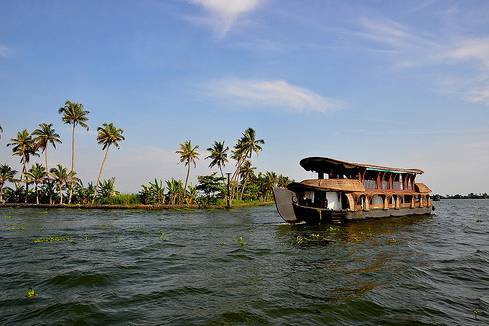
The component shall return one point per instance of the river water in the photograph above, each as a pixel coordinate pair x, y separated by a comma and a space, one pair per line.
243, 266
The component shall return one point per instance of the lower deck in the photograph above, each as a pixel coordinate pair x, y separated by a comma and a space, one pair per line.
322, 215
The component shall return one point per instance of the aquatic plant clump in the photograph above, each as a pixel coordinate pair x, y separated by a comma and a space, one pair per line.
53, 239
31, 293
313, 238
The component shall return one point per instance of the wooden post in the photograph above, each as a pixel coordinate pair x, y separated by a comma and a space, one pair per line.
228, 200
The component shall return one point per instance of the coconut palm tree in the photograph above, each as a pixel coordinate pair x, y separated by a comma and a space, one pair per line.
246, 172
245, 147
74, 114
37, 174
45, 135
219, 155
60, 175
7, 174
188, 154
108, 135
23, 146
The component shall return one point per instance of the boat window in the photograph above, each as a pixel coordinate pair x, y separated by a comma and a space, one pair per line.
397, 184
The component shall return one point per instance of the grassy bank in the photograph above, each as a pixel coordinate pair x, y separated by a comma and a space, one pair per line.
221, 204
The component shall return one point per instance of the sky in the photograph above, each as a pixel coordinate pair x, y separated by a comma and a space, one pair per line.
398, 83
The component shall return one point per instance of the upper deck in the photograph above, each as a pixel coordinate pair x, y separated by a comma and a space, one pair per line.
373, 177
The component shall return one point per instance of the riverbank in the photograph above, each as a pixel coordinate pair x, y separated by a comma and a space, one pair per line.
236, 204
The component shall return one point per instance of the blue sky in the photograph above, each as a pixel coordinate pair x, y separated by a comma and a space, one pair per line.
402, 83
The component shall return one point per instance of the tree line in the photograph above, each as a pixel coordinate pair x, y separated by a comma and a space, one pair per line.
43, 184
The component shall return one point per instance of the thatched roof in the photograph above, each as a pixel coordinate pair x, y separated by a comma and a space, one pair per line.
325, 164
422, 188
329, 184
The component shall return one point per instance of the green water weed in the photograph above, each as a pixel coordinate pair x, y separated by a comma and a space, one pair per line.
162, 235
31, 293
54, 238
241, 241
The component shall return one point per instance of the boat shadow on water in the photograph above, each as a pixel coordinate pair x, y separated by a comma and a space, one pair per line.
305, 235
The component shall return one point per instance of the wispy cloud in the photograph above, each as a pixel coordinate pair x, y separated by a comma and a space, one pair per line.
409, 48
272, 93
222, 14
5, 51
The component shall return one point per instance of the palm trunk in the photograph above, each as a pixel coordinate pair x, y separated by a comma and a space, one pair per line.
37, 194
73, 148
46, 158
242, 190
220, 168
71, 193
72, 159
186, 179
1, 192
100, 172
24, 170
61, 194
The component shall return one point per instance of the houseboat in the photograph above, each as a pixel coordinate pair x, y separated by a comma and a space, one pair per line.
347, 191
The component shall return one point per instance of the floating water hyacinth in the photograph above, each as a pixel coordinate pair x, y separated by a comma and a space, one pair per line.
313, 238
53, 239
31, 293
393, 241
241, 241
162, 235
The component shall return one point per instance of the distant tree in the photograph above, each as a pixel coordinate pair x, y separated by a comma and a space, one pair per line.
244, 149
211, 186
108, 135
37, 174
45, 135
60, 175
74, 114
107, 189
218, 155
24, 147
7, 174
246, 172
189, 155
174, 191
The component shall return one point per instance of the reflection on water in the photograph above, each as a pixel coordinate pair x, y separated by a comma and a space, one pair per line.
243, 266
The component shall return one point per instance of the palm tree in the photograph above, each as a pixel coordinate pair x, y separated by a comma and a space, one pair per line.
7, 174
175, 189
24, 147
244, 149
74, 114
37, 174
45, 135
60, 175
219, 155
188, 154
108, 135
246, 172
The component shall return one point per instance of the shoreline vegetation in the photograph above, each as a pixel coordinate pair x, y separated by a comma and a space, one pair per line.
458, 196
40, 185
222, 205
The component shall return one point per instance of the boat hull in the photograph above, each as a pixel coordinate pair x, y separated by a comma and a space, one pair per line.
318, 215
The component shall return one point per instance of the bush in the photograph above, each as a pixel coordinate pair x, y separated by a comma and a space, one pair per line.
121, 199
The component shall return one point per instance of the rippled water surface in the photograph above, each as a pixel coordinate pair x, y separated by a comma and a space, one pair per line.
243, 266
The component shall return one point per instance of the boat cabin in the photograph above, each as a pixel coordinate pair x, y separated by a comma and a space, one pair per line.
342, 185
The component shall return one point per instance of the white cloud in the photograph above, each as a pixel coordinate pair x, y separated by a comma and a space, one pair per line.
409, 48
222, 14
476, 49
5, 51
272, 93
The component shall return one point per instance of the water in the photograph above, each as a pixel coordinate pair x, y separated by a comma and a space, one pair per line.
243, 267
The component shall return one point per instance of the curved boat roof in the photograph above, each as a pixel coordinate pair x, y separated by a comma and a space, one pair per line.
325, 164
